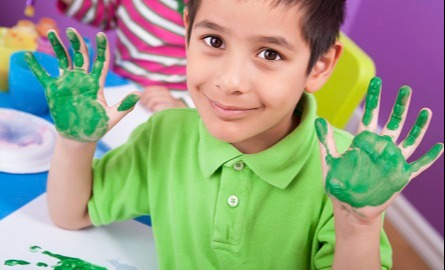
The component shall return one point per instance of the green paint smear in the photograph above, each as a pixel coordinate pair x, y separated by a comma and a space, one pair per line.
65, 263
128, 102
68, 263
399, 108
16, 262
372, 100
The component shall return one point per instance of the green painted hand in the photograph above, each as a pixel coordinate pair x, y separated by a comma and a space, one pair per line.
374, 169
75, 98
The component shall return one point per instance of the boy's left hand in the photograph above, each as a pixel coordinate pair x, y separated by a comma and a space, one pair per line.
374, 170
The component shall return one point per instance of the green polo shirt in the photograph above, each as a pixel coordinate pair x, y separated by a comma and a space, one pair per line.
213, 207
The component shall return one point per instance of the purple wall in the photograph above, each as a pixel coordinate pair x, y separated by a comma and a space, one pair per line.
406, 40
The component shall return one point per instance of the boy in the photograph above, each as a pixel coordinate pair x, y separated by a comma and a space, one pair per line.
236, 186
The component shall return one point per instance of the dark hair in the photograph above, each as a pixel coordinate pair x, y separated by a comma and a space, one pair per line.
321, 22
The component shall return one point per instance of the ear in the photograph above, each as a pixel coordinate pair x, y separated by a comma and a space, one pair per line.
185, 18
324, 67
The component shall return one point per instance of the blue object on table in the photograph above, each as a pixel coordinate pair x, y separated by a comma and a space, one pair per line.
27, 94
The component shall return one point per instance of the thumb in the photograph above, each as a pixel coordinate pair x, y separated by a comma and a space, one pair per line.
121, 109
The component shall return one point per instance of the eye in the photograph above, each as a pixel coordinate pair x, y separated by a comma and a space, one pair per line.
214, 42
270, 55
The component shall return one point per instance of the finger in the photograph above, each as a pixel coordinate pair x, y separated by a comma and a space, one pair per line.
326, 138
416, 134
60, 51
328, 149
398, 116
80, 52
102, 63
372, 104
426, 160
43, 76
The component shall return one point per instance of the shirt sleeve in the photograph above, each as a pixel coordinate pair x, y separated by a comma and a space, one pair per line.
324, 243
120, 181
99, 13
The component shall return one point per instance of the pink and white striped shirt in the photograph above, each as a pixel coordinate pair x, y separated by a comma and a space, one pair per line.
150, 47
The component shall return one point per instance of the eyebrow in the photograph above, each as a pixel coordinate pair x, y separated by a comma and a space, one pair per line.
280, 41
210, 25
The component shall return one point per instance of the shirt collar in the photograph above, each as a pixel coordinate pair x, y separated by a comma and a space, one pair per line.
278, 165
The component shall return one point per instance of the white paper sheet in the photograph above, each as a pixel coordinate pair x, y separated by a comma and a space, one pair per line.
120, 246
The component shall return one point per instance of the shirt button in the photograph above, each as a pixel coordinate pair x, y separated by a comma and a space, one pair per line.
233, 201
238, 166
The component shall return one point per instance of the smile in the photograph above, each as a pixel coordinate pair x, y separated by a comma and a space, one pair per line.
229, 112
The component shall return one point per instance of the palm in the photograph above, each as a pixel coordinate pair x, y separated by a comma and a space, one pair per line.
367, 177
76, 92
75, 98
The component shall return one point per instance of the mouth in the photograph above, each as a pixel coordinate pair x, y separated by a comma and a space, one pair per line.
229, 111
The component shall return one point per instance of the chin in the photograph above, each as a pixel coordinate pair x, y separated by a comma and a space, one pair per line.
226, 133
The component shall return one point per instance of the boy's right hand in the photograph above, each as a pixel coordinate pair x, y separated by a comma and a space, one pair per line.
75, 99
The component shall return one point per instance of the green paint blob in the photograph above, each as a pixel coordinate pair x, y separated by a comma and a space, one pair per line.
399, 108
416, 130
128, 102
16, 262
369, 173
72, 98
40, 264
372, 100
35, 249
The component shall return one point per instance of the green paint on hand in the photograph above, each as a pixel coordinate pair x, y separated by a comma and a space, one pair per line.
369, 173
72, 97
76, 45
59, 50
16, 262
374, 168
416, 130
428, 158
399, 108
372, 100
321, 127
128, 102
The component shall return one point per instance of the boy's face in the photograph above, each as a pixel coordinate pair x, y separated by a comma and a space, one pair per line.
247, 70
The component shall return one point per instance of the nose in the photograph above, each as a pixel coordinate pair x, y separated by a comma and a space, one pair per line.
235, 76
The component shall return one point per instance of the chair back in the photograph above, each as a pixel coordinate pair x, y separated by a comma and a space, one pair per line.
347, 86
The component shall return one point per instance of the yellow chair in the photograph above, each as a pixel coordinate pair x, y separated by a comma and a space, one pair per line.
347, 86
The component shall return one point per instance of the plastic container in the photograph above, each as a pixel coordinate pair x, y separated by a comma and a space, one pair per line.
26, 142
26, 92
12, 40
